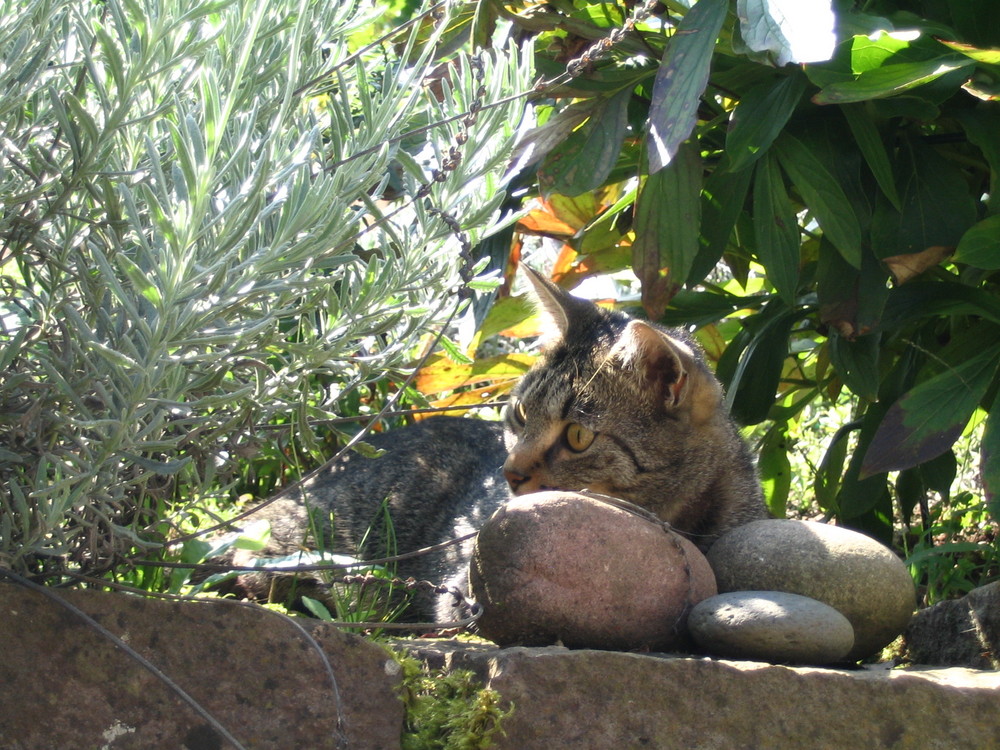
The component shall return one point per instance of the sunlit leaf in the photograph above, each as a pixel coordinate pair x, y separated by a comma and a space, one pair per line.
796, 31
889, 80
443, 374
681, 80
989, 55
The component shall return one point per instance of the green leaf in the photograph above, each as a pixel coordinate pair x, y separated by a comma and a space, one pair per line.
980, 246
856, 362
823, 195
799, 32
140, 280
758, 118
751, 366
776, 229
937, 207
722, 202
681, 80
826, 483
981, 127
584, 160
870, 142
989, 55
928, 419
989, 460
775, 469
889, 80
667, 222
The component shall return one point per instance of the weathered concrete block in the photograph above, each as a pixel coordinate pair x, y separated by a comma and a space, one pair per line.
66, 687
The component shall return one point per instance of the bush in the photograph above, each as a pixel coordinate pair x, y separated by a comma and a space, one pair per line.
219, 218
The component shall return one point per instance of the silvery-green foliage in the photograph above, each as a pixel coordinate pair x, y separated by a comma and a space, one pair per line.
192, 238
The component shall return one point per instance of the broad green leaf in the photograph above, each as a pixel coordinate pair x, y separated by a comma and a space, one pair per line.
776, 229
681, 80
823, 195
870, 142
667, 223
937, 207
980, 246
797, 31
584, 160
759, 117
890, 79
928, 419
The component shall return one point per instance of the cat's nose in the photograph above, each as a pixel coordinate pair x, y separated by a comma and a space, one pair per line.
515, 478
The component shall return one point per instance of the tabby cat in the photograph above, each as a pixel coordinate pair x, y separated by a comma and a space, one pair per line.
615, 405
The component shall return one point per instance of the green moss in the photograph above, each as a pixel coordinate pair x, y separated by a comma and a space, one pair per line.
447, 710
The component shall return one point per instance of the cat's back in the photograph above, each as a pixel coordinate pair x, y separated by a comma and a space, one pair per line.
438, 478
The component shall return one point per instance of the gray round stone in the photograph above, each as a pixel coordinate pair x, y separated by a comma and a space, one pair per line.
771, 626
856, 575
562, 566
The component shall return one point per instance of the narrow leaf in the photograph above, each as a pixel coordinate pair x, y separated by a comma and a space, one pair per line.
667, 222
759, 117
870, 142
585, 159
775, 229
681, 79
990, 55
889, 80
989, 461
823, 195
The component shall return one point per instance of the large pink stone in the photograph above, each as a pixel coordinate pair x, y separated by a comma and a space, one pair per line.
571, 568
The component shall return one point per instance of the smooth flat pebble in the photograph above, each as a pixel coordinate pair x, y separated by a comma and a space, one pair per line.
771, 626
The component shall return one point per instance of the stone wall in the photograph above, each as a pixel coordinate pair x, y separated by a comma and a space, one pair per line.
65, 686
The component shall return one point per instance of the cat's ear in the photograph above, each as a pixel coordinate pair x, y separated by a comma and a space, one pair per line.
668, 368
556, 308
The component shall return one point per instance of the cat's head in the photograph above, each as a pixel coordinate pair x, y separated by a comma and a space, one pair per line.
614, 404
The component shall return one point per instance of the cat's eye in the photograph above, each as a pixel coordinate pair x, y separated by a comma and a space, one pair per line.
517, 410
578, 437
